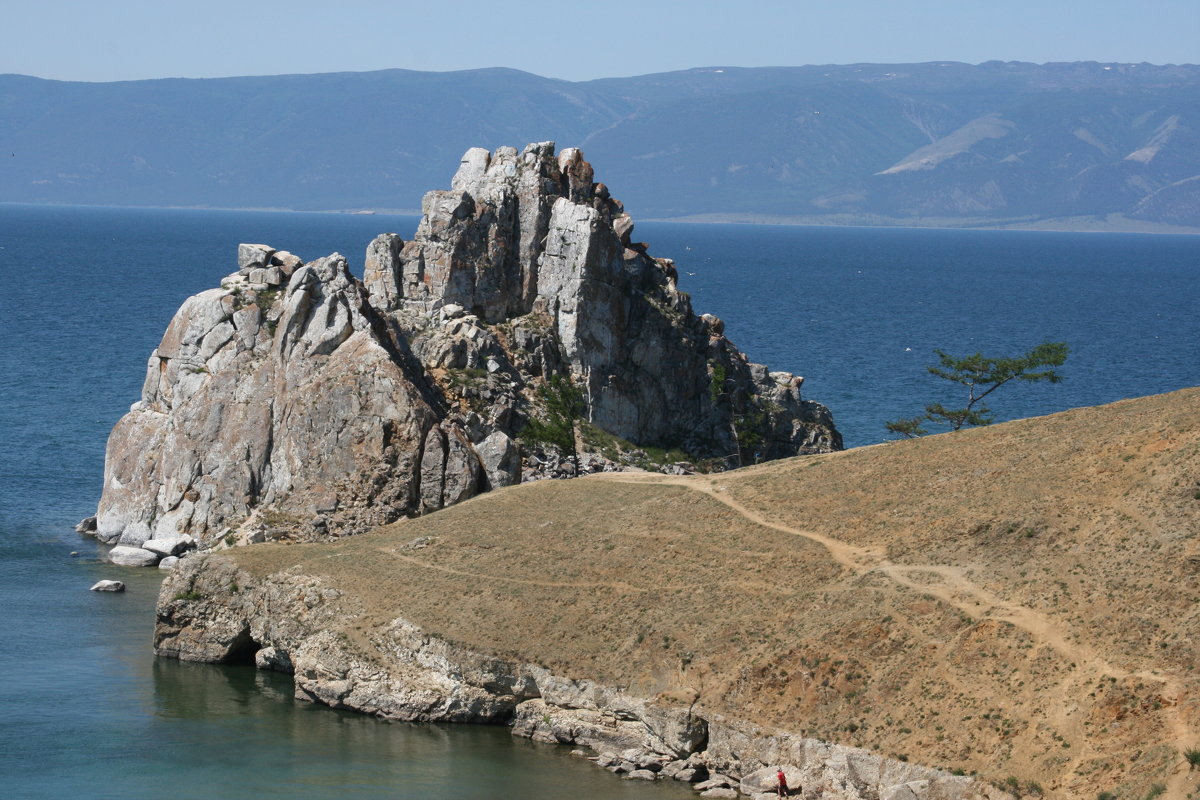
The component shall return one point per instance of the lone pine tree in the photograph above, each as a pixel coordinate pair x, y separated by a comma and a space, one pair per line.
981, 375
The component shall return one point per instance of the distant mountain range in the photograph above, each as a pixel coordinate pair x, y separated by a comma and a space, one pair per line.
1076, 144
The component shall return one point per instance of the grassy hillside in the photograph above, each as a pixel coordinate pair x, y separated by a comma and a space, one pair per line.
1018, 601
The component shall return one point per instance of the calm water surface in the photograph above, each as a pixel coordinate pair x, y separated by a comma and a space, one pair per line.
88, 293
859, 311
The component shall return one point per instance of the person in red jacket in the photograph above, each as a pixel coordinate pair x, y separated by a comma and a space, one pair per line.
782, 788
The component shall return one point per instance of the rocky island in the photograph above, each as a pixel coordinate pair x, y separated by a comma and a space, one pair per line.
298, 401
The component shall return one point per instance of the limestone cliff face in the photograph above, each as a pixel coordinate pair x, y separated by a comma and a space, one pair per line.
541, 258
266, 397
298, 397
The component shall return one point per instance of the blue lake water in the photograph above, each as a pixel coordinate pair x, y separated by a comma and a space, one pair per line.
89, 291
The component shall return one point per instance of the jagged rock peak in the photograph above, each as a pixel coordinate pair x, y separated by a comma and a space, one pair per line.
480, 243
530, 240
297, 398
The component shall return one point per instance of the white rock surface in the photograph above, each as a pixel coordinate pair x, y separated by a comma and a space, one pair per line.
128, 556
171, 546
250, 256
501, 459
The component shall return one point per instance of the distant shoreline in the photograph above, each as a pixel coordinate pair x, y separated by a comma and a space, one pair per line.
365, 212
1113, 223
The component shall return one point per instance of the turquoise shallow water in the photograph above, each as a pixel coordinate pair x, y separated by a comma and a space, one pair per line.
87, 710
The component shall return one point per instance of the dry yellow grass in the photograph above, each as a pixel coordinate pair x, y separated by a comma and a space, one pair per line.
1020, 600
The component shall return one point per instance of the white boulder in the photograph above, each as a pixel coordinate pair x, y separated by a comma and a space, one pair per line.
254, 255
166, 546
128, 556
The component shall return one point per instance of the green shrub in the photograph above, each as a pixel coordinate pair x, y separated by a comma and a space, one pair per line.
716, 385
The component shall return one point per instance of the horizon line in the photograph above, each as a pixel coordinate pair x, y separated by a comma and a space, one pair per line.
715, 68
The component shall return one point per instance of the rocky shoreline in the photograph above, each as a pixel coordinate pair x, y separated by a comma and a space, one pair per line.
211, 610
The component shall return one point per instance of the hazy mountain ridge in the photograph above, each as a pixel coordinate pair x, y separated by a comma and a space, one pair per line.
997, 141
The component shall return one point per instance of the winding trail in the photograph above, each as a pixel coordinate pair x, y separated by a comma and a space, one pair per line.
950, 585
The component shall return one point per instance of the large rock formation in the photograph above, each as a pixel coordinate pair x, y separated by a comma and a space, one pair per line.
298, 398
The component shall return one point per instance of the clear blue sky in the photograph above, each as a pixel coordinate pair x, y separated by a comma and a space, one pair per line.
96, 40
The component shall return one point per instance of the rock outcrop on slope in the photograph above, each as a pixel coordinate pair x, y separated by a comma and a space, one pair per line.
296, 399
